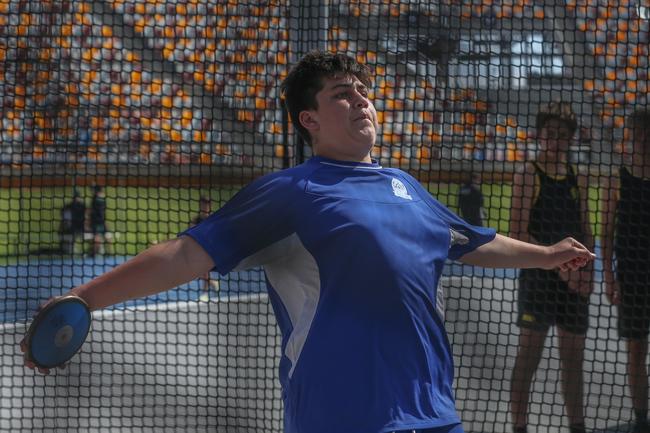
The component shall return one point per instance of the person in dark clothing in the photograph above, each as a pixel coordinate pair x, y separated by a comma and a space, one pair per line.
549, 202
470, 200
626, 235
97, 219
73, 222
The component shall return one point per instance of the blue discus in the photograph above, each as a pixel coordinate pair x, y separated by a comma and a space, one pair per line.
58, 331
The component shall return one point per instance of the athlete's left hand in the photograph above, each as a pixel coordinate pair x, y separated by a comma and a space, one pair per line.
569, 255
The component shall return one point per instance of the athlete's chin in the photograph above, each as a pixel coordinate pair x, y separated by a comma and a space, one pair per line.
367, 135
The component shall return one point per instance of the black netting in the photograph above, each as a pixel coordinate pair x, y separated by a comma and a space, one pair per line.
122, 120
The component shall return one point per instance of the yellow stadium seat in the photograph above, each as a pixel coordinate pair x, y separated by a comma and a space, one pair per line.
619, 121
205, 158
175, 135
423, 152
221, 149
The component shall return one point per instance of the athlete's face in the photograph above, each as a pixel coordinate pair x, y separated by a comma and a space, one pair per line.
555, 136
344, 126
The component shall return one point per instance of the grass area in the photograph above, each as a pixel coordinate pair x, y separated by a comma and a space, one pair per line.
139, 216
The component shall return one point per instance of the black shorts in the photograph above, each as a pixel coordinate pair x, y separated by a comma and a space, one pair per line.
545, 300
634, 311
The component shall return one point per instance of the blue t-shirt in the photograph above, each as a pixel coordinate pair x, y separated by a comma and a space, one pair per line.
352, 253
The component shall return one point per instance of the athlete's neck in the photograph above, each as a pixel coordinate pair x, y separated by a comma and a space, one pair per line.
336, 156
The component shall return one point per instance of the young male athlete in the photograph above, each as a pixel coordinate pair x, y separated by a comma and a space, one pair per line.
549, 204
626, 233
353, 254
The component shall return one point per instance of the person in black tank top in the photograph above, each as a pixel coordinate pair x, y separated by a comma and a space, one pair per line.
550, 203
626, 235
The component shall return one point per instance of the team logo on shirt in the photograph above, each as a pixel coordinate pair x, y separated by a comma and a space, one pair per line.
399, 189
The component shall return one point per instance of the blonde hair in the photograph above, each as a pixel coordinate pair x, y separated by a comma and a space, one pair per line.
556, 110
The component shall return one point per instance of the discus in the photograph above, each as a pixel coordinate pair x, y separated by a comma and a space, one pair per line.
58, 332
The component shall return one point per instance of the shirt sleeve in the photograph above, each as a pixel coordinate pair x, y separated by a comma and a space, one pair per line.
255, 218
463, 237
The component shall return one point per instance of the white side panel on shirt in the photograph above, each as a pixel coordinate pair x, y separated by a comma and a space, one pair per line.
294, 274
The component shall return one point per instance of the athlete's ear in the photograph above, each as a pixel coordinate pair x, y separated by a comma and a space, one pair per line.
309, 120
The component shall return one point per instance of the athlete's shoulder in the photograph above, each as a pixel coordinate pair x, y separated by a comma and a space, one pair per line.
284, 181
396, 172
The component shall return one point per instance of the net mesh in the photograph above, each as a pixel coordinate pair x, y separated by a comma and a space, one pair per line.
121, 121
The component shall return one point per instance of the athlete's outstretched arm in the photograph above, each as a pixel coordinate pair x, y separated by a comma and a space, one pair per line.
155, 270
159, 268
505, 252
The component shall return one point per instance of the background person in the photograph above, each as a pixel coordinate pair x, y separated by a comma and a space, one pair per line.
626, 233
97, 220
73, 223
470, 200
550, 203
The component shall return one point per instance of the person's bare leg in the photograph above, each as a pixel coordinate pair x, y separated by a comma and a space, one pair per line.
637, 370
572, 349
531, 345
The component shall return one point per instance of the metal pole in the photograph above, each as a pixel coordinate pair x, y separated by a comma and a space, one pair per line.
286, 161
308, 30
